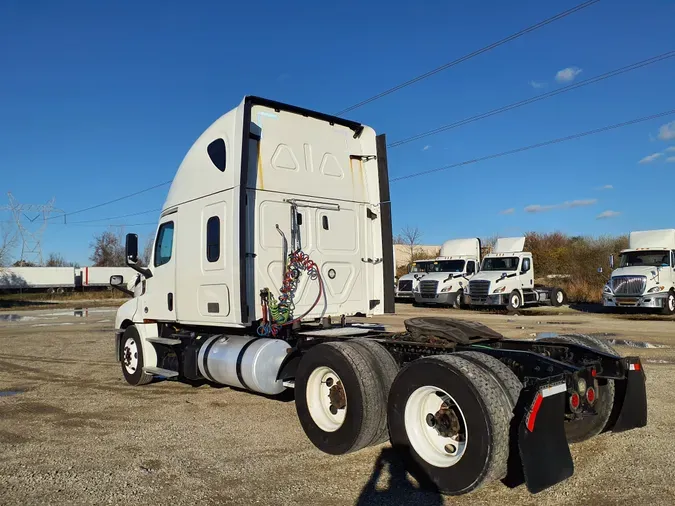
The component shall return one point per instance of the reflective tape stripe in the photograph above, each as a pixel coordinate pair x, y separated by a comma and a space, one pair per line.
554, 389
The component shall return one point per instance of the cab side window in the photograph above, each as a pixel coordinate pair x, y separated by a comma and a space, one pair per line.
164, 243
213, 239
526, 265
471, 268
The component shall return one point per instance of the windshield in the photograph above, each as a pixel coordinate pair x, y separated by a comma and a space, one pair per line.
447, 266
500, 264
659, 258
419, 267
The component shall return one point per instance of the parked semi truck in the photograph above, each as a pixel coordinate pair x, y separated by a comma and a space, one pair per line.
407, 284
506, 279
645, 277
447, 275
279, 218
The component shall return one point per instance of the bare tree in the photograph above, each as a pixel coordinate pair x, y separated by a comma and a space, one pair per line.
108, 250
57, 260
410, 237
147, 251
7, 243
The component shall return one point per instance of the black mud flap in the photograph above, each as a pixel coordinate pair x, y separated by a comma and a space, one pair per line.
542, 457
633, 413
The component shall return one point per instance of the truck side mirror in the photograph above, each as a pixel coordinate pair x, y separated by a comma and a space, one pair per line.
611, 261
116, 280
600, 270
131, 249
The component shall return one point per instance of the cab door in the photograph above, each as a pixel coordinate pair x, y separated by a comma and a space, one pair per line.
159, 302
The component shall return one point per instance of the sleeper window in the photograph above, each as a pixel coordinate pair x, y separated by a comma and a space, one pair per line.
164, 243
213, 239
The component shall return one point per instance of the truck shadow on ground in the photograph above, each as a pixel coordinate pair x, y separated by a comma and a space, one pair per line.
399, 489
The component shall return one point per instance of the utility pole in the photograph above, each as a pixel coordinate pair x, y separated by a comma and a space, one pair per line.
31, 231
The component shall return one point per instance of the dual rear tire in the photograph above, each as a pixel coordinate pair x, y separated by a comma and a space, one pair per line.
448, 416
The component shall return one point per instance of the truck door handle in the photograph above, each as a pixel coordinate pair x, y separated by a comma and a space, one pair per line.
373, 261
169, 301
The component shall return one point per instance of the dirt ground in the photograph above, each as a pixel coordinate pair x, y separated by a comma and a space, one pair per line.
75, 433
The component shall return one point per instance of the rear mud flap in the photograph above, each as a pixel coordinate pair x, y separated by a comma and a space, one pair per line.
633, 407
540, 456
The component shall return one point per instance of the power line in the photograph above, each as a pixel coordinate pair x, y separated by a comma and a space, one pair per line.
534, 146
470, 55
113, 217
116, 200
154, 223
515, 105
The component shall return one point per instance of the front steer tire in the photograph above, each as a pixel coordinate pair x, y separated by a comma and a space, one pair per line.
356, 376
482, 405
132, 358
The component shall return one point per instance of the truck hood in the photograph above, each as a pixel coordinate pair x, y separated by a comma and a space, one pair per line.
636, 271
492, 276
419, 275
442, 276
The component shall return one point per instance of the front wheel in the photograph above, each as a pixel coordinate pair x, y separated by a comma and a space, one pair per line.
669, 305
132, 358
515, 301
458, 300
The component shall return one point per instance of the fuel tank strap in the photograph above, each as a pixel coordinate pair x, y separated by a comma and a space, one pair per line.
240, 358
205, 360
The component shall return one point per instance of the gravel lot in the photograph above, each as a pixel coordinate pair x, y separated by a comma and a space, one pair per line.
77, 434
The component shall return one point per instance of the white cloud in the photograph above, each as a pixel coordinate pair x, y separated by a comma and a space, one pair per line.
650, 158
536, 208
567, 75
670, 159
426, 147
667, 131
538, 84
510, 210
670, 149
606, 187
607, 214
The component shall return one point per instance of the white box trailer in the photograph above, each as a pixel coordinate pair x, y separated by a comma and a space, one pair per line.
100, 276
278, 218
20, 278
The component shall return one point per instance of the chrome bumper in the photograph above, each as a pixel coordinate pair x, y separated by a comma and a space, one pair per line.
404, 295
657, 300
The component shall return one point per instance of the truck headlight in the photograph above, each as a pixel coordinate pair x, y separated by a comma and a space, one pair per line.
606, 289
499, 290
656, 289
446, 289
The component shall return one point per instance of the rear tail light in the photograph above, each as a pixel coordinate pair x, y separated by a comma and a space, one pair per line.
575, 402
590, 395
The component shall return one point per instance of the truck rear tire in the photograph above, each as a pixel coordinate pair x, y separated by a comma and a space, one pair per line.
386, 370
586, 428
132, 358
515, 301
340, 397
669, 304
449, 420
558, 297
505, 376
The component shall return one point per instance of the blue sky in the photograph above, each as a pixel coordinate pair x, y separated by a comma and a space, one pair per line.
101, 99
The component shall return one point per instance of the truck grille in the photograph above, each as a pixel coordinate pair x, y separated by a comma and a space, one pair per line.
405, 285
629, 285
428, 289
479, 290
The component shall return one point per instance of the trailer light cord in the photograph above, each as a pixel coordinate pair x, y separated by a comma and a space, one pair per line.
277, 313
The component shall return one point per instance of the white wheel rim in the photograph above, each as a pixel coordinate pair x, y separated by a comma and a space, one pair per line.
671, 302
321, 384
559, 297
130, 356
436, 449
515, 302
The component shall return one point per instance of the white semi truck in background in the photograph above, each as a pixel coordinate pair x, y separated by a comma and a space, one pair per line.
645, 277
448, 274
506, 279
279, 218
407, 284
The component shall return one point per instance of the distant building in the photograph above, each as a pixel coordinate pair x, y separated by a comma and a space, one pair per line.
402, 253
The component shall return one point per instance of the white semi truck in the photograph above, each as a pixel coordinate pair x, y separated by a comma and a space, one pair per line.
279, 218
506, 279
447, 275
645, 277
407, 284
